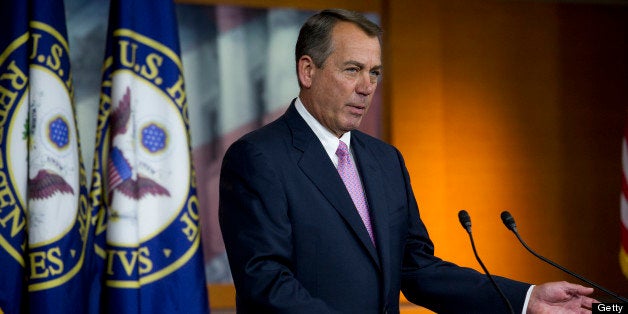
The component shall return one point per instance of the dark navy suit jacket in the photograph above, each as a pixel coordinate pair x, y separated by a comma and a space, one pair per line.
296, 244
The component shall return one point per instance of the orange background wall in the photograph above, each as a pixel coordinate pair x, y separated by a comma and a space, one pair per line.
508, 105
519, 106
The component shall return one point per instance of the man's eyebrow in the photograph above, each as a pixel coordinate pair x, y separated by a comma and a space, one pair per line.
378, 67
356, 63
362, 65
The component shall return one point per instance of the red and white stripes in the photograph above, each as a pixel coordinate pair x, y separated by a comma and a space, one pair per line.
623, 252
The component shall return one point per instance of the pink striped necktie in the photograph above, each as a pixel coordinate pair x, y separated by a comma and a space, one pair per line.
349, 174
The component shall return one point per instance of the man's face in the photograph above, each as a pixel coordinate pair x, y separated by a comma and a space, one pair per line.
339, 94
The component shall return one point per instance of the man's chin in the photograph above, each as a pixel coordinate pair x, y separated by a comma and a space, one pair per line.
352, 126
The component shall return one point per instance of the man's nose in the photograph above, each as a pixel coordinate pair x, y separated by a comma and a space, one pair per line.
367, 84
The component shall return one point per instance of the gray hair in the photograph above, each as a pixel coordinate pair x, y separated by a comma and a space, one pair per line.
315, 34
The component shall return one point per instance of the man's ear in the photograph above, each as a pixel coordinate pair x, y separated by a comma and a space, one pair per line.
305, 70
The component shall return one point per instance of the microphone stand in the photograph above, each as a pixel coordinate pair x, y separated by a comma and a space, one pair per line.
465, 221
509, 222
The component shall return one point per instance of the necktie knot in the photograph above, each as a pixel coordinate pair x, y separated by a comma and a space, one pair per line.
343, 150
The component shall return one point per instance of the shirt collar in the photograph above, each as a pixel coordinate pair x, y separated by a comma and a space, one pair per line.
325, 136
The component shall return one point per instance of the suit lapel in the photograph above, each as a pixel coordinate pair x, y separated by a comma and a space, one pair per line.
316, 165
370, 170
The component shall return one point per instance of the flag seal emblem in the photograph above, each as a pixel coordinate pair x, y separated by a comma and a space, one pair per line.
58, 132
57, 232
13, 147
150, 189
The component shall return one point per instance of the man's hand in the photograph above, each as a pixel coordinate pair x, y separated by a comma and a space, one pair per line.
560, 297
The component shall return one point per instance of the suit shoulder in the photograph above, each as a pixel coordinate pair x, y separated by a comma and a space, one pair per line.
377, 145
268, 134
269, 145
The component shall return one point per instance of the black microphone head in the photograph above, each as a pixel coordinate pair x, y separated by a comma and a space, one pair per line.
509, 221
465, 220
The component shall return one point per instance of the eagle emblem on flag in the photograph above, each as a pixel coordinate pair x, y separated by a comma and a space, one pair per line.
120, 175
46, 183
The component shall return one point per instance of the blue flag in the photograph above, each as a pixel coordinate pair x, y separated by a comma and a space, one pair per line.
143, 188
13, 152
42, 166
58, 215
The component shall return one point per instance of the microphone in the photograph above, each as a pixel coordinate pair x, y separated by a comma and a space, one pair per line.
465, 221
509, 222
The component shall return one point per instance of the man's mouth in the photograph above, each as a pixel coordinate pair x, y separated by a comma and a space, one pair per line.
357, 109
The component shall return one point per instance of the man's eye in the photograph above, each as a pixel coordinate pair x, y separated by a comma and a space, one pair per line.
353, 70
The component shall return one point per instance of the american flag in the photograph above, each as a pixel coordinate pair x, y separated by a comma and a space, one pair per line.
623, 254
119, 169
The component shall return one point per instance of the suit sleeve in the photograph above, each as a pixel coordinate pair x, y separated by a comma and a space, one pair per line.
255, 224
445, 287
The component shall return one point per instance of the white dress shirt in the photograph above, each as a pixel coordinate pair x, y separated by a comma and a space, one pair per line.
328, 139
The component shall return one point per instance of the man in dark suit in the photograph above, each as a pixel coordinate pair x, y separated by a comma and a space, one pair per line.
318, 217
